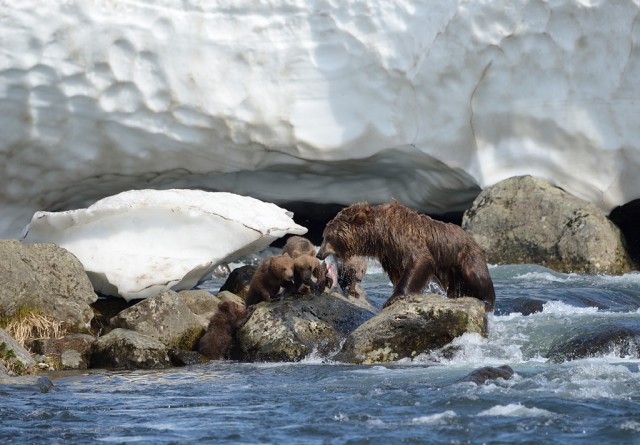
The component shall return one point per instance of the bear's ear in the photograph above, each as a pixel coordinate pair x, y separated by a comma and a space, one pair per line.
362, 215
286, 254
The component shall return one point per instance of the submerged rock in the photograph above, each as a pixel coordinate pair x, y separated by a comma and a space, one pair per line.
125, 349
47, 279
292, 329
620, 339
412, 325
139, 243
522, 305
24, 382
481, 375
527, 220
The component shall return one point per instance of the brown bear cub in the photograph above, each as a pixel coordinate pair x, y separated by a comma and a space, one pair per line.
412, 249
297, 246
272, 273
310, 273
350, 273
217, 342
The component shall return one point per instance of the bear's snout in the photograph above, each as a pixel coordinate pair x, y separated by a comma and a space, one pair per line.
325, 250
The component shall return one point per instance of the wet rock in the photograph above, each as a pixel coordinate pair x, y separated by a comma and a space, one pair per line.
47, 278
179, 357
527, 220
415, 324
13, 355
70, 352
291, 329
522, 305
481, 375
125, 349
239, 280
165, 317
620, 339
36, 383
359, 298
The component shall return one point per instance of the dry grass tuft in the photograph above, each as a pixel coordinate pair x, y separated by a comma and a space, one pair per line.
34, 325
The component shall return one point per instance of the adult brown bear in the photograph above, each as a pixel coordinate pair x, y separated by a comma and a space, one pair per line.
412, 249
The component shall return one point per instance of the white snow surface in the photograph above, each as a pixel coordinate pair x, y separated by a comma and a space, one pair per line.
139, 243
323, 101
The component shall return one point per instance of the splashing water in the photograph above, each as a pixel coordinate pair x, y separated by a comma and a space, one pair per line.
586, 400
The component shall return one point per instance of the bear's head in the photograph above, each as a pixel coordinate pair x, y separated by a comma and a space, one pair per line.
230, 314
304, 267
359, 265
281, 267
231, 310
343, 236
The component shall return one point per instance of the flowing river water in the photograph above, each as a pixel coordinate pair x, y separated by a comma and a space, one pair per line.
548, 400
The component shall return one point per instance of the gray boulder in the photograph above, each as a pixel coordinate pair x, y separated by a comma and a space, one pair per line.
612, 338
165, 317
125, 349
292, 329
46, 278
15, 358
413, 325
526, 220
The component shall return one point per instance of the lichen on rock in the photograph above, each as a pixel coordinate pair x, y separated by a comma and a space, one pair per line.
413, 325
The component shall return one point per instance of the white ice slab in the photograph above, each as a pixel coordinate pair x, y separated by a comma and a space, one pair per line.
139, 243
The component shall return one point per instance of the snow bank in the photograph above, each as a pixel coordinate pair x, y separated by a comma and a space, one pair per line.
318, 101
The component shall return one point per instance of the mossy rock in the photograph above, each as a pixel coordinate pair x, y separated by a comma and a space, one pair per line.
411, 326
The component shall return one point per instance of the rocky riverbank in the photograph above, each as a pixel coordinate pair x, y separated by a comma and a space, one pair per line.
52, 319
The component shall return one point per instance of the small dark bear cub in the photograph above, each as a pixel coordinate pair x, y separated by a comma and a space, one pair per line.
412, 249
217, 342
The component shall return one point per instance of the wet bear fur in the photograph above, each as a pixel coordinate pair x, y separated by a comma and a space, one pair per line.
297, 246
272, 273
217, 342
412, 249
350, 273
310, 275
